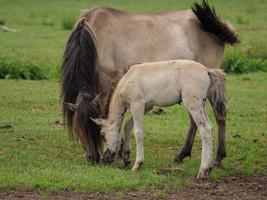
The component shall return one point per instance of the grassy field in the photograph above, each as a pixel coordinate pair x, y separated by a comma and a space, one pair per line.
42, 38
36, 152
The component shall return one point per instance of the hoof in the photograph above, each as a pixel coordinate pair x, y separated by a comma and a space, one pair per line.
126, 157
137, 166
126, 162
218, 164
178, 160
204, 174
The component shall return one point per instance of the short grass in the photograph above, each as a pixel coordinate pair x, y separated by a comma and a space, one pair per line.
37, 153
44, 25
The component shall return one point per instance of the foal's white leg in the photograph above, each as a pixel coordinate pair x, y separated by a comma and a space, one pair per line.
199, 115
126, 149
137, 110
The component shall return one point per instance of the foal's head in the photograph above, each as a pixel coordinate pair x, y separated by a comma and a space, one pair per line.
111, 140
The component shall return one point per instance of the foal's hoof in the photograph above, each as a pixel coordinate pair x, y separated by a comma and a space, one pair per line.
137, 166
204, 174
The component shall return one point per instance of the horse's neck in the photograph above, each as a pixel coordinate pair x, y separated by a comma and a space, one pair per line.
117, 109
108, 85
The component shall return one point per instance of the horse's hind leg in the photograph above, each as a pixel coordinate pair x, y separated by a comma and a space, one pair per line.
187, 148
221, 151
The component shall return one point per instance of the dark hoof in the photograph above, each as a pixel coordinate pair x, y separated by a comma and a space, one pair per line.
127, 162
218, 164
178, 160
180, 157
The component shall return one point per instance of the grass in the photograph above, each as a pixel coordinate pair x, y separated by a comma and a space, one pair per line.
44, 26
37, 153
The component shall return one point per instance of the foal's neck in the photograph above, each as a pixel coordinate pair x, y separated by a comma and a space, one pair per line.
117, 108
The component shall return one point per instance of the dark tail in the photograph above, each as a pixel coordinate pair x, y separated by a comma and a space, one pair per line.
78, 77
216, 93
211, 22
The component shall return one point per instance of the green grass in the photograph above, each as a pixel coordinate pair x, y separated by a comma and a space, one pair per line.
43, 35
38, 154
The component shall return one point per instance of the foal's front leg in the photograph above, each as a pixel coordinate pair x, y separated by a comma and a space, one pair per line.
126, 149
137, 110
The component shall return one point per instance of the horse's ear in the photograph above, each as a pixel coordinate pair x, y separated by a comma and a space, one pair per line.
71, 106
98, 121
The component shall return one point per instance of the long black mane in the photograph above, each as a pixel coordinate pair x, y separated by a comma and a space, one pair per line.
79, 78
211, 22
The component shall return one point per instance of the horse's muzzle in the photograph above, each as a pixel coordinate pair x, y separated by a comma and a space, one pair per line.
108, 156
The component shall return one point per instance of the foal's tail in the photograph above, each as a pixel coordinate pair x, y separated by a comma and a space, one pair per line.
216, 93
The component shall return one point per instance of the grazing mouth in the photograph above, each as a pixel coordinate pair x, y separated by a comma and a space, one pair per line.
108, 157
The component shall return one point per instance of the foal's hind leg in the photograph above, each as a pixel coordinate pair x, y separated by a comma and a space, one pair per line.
198, 113
187, 148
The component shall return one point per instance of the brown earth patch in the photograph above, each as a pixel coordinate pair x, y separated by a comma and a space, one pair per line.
225, 188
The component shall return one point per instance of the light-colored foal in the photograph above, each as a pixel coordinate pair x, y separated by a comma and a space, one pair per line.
163, 84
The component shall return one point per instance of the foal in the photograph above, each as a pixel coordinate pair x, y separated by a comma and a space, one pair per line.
163, 84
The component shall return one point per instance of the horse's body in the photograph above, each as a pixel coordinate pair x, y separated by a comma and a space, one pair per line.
164, 84
106, 40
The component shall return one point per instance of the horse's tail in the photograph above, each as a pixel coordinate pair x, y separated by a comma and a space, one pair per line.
211, 22
78, 77
216, 93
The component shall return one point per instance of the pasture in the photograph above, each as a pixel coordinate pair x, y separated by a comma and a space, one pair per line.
36, 152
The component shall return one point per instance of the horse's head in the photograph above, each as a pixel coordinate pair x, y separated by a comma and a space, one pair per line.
86, 130
111, 140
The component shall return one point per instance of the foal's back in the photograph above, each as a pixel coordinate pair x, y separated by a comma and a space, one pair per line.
164, 83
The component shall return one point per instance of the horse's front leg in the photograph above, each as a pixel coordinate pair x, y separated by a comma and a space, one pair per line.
187, 148
137, 110
126, 149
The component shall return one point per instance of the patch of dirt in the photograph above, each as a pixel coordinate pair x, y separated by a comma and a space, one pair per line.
225, 188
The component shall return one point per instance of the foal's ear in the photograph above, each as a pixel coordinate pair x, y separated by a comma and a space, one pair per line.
98, 121
71, 106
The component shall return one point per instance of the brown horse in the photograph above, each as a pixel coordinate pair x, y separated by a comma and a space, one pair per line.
106, 41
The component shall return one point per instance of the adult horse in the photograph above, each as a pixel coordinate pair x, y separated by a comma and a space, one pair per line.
106, 41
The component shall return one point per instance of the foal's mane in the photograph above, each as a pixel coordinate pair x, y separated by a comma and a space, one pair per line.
110, 91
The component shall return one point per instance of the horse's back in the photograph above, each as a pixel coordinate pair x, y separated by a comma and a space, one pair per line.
163, 83
125, 38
